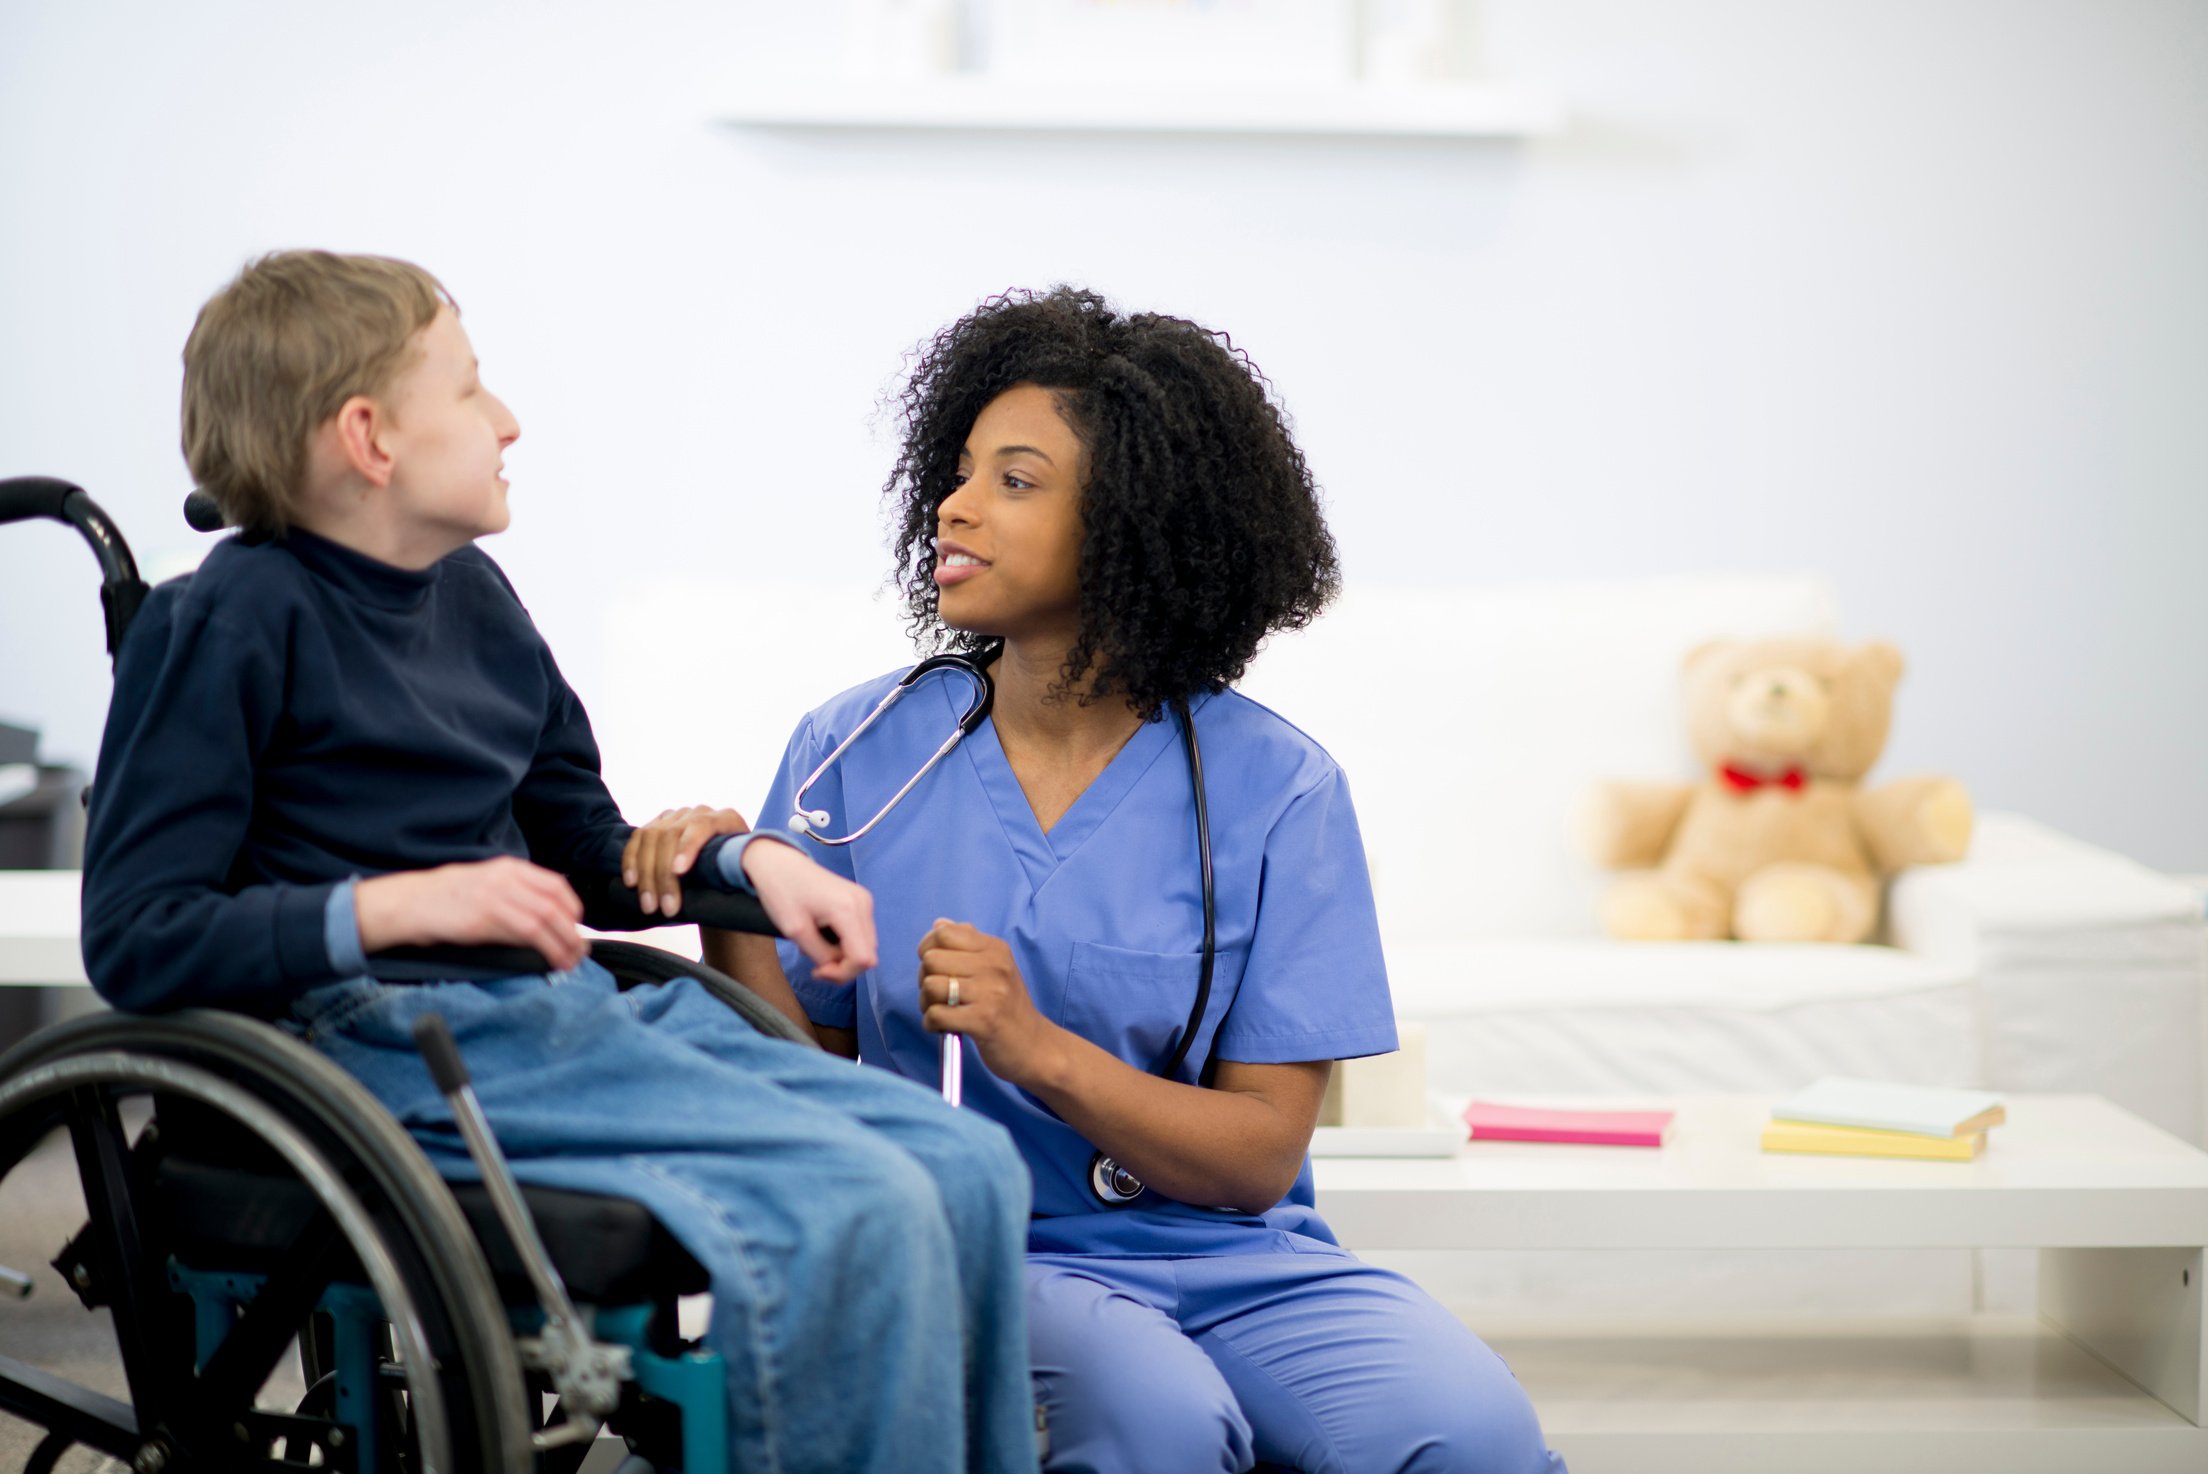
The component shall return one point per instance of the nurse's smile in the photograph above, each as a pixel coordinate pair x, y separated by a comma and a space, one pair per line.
954, 564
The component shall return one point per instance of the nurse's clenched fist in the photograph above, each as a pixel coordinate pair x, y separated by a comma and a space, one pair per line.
970, 985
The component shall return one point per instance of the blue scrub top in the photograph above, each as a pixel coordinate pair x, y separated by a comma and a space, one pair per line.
1104, 915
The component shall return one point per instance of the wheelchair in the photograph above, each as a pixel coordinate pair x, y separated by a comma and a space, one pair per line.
256, 1221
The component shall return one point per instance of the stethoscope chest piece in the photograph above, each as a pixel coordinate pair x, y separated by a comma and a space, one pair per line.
1112, 1183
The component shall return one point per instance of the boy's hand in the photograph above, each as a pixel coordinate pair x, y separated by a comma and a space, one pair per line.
831, 919
503, 902
666, 848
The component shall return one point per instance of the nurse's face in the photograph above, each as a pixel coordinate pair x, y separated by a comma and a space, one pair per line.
1008, 539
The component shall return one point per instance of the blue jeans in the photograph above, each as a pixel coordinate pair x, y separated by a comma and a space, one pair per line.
865, 1241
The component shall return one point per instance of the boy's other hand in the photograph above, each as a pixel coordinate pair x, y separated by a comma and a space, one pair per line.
666, 848
831, 919
504, 902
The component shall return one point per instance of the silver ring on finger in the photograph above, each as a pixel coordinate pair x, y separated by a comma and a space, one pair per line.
951, 996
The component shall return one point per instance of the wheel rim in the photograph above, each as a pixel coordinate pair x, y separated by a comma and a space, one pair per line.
470, 1413
101, 1150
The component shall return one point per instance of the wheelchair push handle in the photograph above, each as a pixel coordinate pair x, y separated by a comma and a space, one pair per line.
434, 1039
24, 498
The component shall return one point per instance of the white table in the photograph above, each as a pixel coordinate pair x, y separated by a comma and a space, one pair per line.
2111, 1376
38, 929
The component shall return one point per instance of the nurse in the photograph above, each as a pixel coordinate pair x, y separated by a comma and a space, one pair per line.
1106, 510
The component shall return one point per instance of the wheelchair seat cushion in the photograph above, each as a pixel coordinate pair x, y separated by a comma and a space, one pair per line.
610, 1251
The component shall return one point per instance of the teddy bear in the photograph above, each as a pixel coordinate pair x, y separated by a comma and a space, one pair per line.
1780, 842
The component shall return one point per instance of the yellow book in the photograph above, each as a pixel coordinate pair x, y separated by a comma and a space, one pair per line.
1856, 1141
1879, 1105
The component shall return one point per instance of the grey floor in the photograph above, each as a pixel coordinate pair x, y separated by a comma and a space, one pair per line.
40, 1207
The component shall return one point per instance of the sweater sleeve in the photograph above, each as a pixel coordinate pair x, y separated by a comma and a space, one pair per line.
196, 701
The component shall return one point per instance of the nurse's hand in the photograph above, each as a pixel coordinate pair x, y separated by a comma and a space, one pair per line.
665, 849
994, 1008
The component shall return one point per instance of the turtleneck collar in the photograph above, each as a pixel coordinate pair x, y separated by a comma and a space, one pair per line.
358, 575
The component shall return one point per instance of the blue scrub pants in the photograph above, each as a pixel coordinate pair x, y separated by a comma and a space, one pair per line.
864, 1241
1297, 1355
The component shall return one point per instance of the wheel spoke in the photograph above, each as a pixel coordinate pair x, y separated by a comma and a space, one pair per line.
391, 1213
74, 1414
149, 1331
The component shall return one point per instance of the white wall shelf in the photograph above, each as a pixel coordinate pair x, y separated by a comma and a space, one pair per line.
970, 103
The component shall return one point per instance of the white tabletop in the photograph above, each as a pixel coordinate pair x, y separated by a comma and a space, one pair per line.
2066, 1170
38, 929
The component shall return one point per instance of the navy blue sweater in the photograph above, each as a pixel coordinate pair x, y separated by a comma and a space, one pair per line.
295, 714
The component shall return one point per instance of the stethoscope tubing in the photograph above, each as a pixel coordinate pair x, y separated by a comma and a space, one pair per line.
1114, 1185
1211, 910
809, 822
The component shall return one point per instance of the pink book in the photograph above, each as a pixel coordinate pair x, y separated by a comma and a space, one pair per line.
1492, 1122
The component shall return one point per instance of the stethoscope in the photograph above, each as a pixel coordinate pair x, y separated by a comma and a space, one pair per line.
1113, 1184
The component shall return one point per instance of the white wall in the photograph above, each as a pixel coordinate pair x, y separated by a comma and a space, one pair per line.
1912, 294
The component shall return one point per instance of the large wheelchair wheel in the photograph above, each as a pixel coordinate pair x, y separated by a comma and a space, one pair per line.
450, 1393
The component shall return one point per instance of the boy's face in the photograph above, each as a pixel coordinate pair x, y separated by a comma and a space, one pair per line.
447, 436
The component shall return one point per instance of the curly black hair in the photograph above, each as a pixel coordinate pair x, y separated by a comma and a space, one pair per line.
1202, 532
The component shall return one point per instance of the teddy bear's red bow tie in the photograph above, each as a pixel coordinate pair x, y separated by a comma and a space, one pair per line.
1742, 781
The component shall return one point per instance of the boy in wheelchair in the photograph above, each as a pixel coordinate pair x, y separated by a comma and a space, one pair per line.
343, 735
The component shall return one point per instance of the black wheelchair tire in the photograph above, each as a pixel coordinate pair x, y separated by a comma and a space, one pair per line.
479, 1375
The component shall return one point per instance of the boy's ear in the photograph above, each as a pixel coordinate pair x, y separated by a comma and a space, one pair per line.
359, 427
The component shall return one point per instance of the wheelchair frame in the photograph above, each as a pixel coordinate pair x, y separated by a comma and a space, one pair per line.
414, 1359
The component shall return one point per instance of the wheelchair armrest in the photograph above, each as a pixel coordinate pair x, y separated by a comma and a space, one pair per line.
608, 905
450, 962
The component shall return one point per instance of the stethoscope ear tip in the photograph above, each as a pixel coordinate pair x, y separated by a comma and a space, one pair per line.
799, 824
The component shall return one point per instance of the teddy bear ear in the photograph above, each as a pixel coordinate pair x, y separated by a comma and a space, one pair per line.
1880, 659
1707, 650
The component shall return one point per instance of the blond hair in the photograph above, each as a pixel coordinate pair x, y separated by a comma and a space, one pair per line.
277, 352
